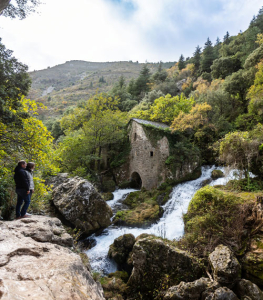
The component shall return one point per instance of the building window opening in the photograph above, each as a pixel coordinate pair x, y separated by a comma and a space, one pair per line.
135, 136
151, 153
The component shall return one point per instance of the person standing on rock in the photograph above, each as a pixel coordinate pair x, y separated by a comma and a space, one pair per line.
29, 171
22, 189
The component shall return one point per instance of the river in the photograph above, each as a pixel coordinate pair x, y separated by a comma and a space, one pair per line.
170, 226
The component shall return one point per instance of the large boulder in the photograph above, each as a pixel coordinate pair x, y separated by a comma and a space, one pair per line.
80, 203
34, 264
155, 260
245, 288
120, 250
222, 293
188, 290
225, 266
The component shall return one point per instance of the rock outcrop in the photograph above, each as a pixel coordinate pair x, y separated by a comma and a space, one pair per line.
252, 262
80, 203
34, 264
154, 260
188, 290
161, 271
120, 251
225, 266
246, 288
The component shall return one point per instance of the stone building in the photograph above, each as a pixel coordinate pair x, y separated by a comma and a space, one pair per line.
147, 159
150, 150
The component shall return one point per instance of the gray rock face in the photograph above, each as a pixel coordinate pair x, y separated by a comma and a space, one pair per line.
180, 84
246, 288
222, 293
188, 291
80, 203
154, 259
58, 179
225, 266
34, 264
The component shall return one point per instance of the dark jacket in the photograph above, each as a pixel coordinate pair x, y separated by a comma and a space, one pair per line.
21, 178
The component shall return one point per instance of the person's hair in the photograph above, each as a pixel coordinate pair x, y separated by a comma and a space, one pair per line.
30, 165
21, 162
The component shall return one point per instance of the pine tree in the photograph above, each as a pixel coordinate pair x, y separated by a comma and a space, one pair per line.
181, 62
197, 60
259, 20
226, 38
142, 82
217, 48
207, 57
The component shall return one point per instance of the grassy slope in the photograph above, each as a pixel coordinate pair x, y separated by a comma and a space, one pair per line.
78, 80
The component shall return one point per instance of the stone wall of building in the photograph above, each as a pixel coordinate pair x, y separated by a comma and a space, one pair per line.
146, 159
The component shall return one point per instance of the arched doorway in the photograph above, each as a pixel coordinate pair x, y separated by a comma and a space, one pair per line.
136, 181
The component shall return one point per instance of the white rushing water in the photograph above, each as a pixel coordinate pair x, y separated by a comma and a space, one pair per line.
170, 225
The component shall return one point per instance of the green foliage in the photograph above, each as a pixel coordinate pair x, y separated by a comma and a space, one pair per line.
238, 149
181, 62
165, 109
101, 126
14, 82
255, 94
197, 60
225, 66
254, 185
207, 57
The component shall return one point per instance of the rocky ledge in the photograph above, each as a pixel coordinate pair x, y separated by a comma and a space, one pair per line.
37, 263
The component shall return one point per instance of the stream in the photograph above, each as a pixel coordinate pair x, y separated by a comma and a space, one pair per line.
170, 226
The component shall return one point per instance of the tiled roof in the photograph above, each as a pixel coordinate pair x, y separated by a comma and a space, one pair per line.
155, 124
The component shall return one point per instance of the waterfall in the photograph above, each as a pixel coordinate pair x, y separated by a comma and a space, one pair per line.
170, 226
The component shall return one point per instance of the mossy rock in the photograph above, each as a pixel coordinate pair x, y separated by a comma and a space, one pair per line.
156, 262
108, 186
107, 196
143, 215
213, 217
124, 185
124, 276
217, 174
206, 182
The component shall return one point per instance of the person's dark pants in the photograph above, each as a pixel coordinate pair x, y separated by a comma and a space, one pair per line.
22, 198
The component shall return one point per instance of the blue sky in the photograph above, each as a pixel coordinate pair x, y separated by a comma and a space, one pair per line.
114, 30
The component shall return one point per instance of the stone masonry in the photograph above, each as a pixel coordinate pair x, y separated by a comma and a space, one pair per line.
147, 162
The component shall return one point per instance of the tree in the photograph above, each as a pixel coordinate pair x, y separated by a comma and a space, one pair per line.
198, 116
238, 149
18, 8
81, 149
181, 62
141, 85
207, 57
255, 94
160, 75
225, 66
227, 38
165, 109
197, 60
14, 82
238, 83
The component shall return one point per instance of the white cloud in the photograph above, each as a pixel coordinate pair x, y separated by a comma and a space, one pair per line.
103, 30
